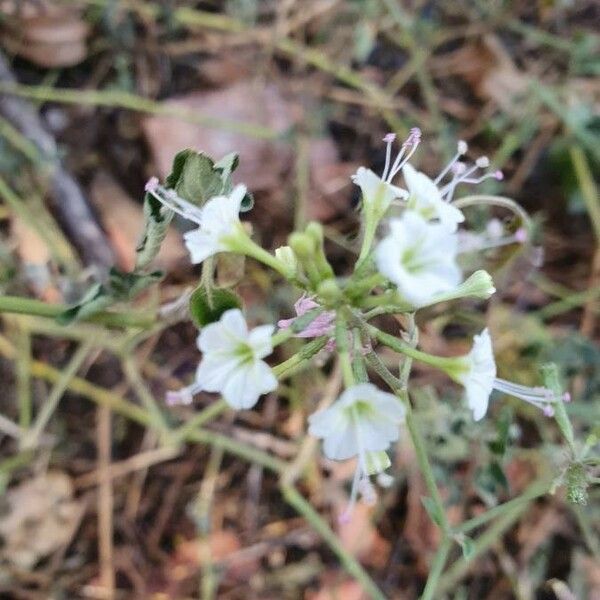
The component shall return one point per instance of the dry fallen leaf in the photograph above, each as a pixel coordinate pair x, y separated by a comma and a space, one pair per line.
53, 37
40, 517
488, 68
35, 256
262, 162
265, 165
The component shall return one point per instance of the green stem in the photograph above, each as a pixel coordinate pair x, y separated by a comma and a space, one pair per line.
437, 567
460, 568
245, 245
588, 187
295, 499
341, 340
145, 396
29, 306
448, 364
31, 438
297, 361
121, 99
417, 439
23, 377
368, 236
212, 411
534, 491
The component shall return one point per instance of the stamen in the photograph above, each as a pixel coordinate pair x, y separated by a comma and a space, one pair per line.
152, 184
521, 235
461, 149
540, 397
483, 162
367, 491
347, 514
411, 142
479, 179
172, 201
389, 140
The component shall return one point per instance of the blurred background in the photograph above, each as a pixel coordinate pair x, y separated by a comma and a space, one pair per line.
96, 96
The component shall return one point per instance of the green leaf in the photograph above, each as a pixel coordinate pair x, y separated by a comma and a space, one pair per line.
205, 310
120, 287
467, 545
94, 300
498, 446
432, 510
198, 180
156, 224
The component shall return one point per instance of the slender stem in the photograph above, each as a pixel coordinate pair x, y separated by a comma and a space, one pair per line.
460, 568
121, 99
588, 187
417, 439
299, 360
213, 410
31, 437
368, 236
145, 396
29, 306
441, 362
341, 340
437, 567
295, 499
535, 490
23, 377
243, 244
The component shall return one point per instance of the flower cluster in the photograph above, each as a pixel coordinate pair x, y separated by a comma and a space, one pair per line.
409, 258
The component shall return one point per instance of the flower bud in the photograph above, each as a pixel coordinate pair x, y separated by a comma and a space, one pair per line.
577, 484
329, 291
302, 244
286, 255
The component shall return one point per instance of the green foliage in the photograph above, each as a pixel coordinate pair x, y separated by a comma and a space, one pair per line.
577, 484
207, 307
120, 287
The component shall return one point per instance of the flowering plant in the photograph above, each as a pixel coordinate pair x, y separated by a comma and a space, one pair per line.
409, 257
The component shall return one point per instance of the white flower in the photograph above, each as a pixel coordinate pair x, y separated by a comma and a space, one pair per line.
477, 374
419, 258
362, 422
219, 222
363, 419
426, 199
377, 194
231, 363
478, 379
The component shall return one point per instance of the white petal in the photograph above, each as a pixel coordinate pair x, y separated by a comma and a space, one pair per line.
201, 245
214, 371
342, 445
260, 340
246, 384
234, 324
420, 185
